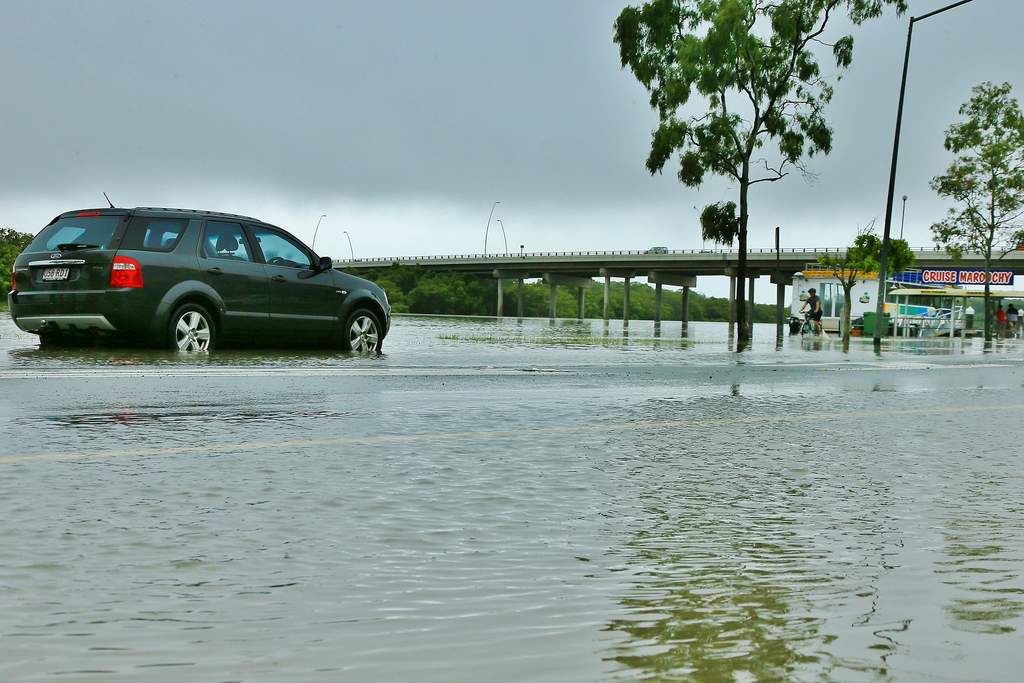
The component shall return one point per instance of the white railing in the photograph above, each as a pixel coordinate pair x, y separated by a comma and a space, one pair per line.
658, 256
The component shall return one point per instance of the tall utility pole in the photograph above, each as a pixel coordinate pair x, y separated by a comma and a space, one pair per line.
503, 236
780, 289
884, 260
488, 228
351, 251
903, 218
316, 230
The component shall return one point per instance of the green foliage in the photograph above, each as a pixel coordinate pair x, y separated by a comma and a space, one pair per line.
731, 79
414, 290
901, 256
863, 257
12, 243
718, 222
985, 179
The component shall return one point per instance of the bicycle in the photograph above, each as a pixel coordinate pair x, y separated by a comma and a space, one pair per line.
810, 328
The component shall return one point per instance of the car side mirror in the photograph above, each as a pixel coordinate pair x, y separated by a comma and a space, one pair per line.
326, 263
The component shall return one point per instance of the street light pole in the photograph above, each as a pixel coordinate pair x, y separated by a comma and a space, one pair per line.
503, 236
316, 229
351, 251
488, 228
883, 261
903, 218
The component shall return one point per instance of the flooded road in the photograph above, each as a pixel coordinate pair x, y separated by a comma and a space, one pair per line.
513, 500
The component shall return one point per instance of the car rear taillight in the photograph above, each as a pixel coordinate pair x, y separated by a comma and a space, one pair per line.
89, 214
126, 272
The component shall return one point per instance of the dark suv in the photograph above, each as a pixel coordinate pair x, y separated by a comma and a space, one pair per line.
189, 280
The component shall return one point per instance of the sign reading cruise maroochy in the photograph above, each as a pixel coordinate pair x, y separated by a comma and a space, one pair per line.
969, 276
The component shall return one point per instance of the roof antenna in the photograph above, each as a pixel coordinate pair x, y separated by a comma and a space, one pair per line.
108, 201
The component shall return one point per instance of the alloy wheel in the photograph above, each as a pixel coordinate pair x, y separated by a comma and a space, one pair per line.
192, 332
362, 335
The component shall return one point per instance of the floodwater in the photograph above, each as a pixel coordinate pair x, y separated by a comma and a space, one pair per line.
514, 500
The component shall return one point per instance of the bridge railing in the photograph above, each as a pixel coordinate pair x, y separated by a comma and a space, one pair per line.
724, 253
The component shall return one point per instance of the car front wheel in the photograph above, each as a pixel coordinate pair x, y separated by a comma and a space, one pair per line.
191, 328
361, 333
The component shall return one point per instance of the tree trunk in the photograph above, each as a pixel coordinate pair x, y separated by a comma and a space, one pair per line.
743, 332
988, 267
988, 308
846, 312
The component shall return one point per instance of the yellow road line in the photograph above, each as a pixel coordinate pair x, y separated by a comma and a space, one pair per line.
590, 428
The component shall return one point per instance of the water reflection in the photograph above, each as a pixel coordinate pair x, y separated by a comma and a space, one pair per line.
982, 553
712, 617
724, 581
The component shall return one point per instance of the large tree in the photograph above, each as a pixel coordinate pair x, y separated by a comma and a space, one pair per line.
12, 243
739, 92
860, 262
985, 180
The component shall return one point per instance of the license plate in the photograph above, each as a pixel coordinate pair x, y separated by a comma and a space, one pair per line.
52, 274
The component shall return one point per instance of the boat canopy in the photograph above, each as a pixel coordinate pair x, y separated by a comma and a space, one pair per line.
957, 292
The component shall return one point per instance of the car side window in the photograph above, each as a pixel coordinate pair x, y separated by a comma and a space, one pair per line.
278, 250
225, 241
153, 234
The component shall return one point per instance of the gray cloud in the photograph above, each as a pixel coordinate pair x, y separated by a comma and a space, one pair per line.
407, 119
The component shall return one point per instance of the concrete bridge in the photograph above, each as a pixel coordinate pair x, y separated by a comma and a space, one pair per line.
661, 267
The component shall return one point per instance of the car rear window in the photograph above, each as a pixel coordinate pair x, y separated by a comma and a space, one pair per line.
148, 233
92, 230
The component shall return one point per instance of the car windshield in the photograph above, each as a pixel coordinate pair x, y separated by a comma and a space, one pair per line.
95, 231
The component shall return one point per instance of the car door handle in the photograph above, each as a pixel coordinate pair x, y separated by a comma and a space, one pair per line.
278, 278
214, 271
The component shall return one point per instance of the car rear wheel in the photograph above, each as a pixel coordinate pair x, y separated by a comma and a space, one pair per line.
361, 333
191, 328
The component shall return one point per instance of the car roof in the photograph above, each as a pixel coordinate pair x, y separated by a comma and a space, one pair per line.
164, 211
195, 213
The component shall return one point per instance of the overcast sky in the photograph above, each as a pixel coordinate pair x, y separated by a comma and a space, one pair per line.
405, 121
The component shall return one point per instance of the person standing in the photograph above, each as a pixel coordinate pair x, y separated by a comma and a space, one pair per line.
1000, 322
1012, 320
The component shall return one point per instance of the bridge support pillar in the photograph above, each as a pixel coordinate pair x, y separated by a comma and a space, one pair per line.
501, 297
553, 309
750, 306
607, 293
657, 303
581, 294
686, 308
780, 280
780, 303
625, 302
519, 297
732, 302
